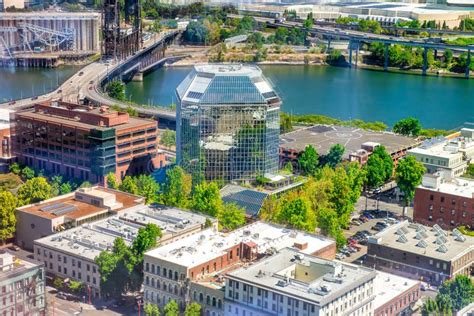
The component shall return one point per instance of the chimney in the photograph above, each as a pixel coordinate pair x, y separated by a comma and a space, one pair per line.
300, 246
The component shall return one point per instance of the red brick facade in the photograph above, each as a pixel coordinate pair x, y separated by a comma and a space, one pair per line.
447, 210
400, 303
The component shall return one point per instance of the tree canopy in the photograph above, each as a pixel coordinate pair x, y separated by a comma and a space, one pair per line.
452, 296
116, 90
34, 190
8, 204
308, 160
408, 127
379, 167
177, 188
168, 138
409, 175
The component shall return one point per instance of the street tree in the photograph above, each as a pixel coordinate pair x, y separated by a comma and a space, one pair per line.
65, 188
458, 291
151, 310
177, 188
111, 181
231, 216
193, 309
147, 187
8, 204
328, 222
308, 160
34, 190
379, 167
171, 308
408, 127
409, 174
75, 286
128, 185
207, 199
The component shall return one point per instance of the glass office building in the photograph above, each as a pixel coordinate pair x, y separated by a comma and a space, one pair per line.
228, 123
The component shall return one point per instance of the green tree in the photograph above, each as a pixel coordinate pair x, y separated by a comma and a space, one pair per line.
430, 307
458, 291
207, 199
309, 22
128, 185
177, 188
470, 170
34, 190
111, 181
375, 171
409, 174
65, 188
193, 309
281, 35
286, 125
27, 173
408, 127
146, 239
448, 56
147, 187
334, 156
75, 286
58, 283
14, 168
328, 222
308, 160
171, 308
56, 182
151, 310
297, 212
8, 204
231, 216
116, 90
168, 138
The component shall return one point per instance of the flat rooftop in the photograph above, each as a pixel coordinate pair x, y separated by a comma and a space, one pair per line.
88, 240
441, 147
323, 137
459, 186
44, 15
200, 248
70, 207
389, 286
292, 273
11, 266
430, 241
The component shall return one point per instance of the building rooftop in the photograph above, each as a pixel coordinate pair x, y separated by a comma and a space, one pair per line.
88, 240
199, 248
11, 266
293, 273
457, 186
77, 205
226, 84
85, 117
431, 242
389, 286
443, 147
5, 118
323, 137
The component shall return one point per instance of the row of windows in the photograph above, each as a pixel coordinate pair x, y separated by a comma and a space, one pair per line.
166, 273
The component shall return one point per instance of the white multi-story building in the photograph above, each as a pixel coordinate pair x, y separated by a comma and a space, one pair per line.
21, 287
71, 253
292, 283
193, 268
449, 156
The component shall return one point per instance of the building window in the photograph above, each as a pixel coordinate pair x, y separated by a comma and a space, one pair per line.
431, 197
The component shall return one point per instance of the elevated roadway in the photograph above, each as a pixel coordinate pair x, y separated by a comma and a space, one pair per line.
90, 80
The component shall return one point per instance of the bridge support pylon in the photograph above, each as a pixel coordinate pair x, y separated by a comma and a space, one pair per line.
350, 54
385, 64
425, 61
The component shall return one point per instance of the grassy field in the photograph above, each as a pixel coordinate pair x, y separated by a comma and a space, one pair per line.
9, 181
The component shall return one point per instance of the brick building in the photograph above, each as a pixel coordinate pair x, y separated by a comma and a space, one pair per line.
193, 269
5, 139
420, 252
448, 203
84, 142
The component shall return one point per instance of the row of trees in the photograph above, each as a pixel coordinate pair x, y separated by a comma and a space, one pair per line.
172, 309
410, 57
452, 296
34, 189
204, 197
327, 199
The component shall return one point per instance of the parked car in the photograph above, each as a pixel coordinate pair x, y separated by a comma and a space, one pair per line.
14, 248
356, 222
339, 256
62, 296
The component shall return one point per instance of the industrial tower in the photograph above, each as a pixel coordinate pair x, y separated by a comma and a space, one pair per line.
121, 42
